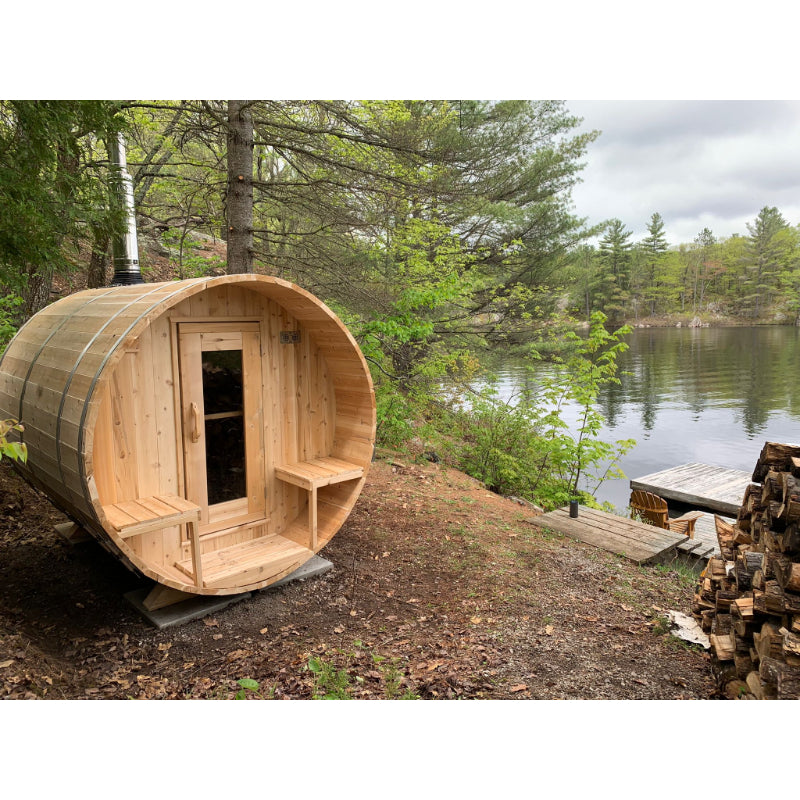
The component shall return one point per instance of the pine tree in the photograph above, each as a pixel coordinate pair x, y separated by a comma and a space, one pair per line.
613, 277
654, 246
765, 252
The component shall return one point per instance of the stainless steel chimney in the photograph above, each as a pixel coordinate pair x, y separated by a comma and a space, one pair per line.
126, 249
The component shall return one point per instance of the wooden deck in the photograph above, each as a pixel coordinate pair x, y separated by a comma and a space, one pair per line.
705, 544
639, 542
702, 486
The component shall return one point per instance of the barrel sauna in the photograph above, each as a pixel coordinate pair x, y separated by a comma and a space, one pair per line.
212, 433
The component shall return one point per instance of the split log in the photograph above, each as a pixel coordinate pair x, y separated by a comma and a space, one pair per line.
723, 624
791, 602
770, 642
708, 591
716, 570
790, 540
773, 488
791, 486
724, 600
772, 517
756, 685
724, 646
788, 576
791, 643
774, 455
789, 684
707, 620
770, 669
742, 615
754, 585
744, 580
741, 536
771, 600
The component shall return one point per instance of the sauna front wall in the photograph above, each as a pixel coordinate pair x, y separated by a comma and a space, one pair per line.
96, 380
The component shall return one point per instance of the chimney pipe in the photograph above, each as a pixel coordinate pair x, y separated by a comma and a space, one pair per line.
126, 250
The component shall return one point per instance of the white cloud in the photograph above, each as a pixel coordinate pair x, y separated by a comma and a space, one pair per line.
698, 163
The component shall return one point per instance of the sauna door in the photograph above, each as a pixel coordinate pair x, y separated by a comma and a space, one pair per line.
221, 393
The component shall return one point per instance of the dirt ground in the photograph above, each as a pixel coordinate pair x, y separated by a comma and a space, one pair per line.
440, 589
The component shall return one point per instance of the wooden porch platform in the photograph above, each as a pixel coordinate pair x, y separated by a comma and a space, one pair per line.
702, 486
639, 542
705, 544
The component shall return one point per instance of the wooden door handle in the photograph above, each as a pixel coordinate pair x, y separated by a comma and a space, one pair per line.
195, 422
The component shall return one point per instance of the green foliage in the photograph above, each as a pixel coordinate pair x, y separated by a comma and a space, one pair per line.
500, 442
17, 451
188, 263
52, 184
755, 276
9, 313
329, 683
395, 415
766, 251
334, 683
661, 626
614, 270
526, 447
423, 274
250, 688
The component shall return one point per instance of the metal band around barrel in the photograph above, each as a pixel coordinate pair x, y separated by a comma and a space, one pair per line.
122, 338
75, 368
44, 344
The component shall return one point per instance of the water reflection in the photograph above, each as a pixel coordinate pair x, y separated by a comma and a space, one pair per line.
713, 395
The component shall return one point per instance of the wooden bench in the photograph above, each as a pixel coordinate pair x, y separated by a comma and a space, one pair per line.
146, 514
312, 475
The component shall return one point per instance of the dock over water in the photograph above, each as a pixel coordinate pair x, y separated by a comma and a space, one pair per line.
702, 486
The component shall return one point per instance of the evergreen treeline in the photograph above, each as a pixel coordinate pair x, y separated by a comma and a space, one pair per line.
754, 276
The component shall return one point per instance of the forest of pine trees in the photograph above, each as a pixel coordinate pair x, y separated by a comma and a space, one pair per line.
753, 276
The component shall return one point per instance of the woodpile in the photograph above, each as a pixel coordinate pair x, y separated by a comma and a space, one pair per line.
748, 599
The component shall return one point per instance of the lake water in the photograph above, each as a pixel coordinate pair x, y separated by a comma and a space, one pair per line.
712, 395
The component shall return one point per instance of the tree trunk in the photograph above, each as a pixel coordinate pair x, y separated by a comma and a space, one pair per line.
240, 187
37, 290
96, 276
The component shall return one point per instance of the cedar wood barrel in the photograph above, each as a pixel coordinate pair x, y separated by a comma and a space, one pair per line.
212, 433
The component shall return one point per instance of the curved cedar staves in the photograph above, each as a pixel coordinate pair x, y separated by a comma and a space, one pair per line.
213, 433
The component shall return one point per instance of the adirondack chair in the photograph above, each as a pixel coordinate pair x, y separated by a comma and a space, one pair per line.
653, 508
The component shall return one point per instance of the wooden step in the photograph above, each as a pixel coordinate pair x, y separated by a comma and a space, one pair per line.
250, 562
626, 537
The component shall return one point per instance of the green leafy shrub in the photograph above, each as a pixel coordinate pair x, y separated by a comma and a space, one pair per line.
525, 447
9, 309
14, 450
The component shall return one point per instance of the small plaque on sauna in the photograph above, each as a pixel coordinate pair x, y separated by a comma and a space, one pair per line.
290, 337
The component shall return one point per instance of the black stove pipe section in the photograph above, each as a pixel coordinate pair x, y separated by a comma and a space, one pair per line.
126, 249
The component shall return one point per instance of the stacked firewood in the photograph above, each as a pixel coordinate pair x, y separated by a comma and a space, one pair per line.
748, 599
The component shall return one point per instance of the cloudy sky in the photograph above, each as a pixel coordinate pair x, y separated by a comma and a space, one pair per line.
697, 163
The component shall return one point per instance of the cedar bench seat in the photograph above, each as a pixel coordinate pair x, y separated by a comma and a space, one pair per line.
147, 514
313, 474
